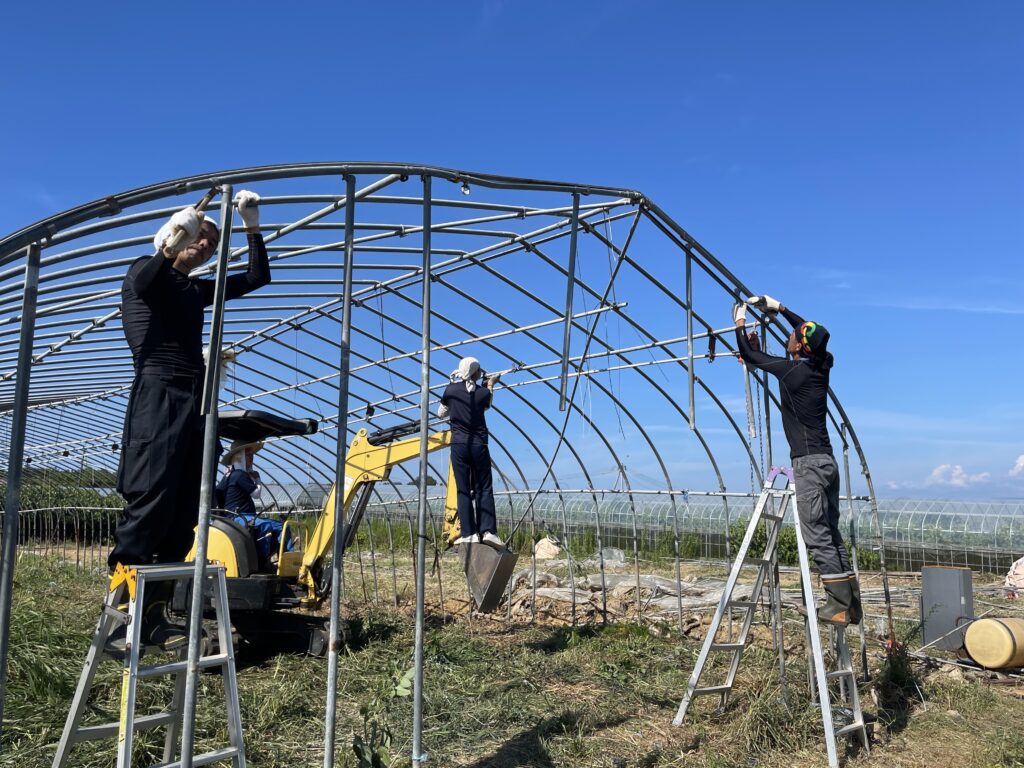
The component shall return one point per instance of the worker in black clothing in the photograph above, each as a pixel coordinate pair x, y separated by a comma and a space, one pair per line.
803, 394
162, 446
465, 403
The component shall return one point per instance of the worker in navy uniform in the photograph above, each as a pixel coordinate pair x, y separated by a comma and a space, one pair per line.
465, 402
803, 395
163, 312
236, 493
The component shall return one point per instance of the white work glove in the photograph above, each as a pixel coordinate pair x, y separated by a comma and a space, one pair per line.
186, 220
765, 303
492, 379
739, 313
246, 202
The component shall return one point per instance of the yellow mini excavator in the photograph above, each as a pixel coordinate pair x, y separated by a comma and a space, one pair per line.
274, 600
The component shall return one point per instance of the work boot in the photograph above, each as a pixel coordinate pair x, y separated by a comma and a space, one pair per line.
856, 611
157, 629
838, 600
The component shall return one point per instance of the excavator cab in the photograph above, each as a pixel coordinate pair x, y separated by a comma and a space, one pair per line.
298, 577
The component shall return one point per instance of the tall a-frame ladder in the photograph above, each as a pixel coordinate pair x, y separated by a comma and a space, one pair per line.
842, 698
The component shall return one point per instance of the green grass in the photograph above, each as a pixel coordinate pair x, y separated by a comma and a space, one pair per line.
497, 696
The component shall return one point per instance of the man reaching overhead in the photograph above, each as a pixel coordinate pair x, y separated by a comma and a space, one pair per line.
465, 403
803, 394
163, 309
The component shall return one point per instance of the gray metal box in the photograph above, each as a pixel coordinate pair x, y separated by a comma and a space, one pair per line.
488, 571
947, 600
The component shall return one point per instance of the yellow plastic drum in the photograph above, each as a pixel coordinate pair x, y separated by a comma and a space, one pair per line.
996, 643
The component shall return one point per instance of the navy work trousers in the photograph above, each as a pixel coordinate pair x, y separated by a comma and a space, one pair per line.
471, 463
160, 470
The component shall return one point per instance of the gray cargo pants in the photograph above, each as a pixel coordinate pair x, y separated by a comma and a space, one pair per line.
817, 499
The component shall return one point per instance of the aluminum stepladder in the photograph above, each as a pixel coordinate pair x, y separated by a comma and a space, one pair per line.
766, 510
133, 582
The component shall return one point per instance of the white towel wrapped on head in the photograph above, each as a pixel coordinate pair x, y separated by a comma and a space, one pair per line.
467, 370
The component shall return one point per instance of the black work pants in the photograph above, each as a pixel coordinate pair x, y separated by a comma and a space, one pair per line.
160, 470
471, 463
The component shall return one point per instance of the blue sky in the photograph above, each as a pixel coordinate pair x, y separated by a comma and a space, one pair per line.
863, 164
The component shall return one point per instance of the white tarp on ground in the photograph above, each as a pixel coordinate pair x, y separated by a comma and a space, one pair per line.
661, 597
1015, 576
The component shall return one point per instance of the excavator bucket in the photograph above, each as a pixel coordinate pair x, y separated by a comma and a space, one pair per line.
488, 571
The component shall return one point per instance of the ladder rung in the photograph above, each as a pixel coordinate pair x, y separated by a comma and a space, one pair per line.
742, 604
204, 759
109, 730
775, 518
121, 616
174, 667
758, 561
712, 689
728, 646
839, 673
849, 729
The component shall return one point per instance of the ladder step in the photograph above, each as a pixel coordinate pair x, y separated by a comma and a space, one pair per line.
758, 561
174, 667
774, 518
728, 646
846, 729
109, 730
747, 604
712, 689
120, 616
839, 673
205, 759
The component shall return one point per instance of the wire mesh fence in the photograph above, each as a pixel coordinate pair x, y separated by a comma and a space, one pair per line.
984, 536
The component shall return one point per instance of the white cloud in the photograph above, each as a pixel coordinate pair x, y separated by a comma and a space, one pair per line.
938, 305
953, 475
1018, 467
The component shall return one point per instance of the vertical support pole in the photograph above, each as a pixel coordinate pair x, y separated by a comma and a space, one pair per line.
418, 755
751, 430
211, 387
15, 460
338, 551
767, 398
689, 338
569, 291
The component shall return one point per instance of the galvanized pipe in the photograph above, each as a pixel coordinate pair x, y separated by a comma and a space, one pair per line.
418, 754
689, 338
15, 465
569, 291
338, 552
211, 386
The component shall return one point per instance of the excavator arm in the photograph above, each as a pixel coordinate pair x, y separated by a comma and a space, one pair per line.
366, 462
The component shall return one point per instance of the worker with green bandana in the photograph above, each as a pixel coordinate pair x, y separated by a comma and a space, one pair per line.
803, 395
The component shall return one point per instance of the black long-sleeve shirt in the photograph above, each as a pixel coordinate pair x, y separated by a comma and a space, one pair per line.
803, 393
162, 310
